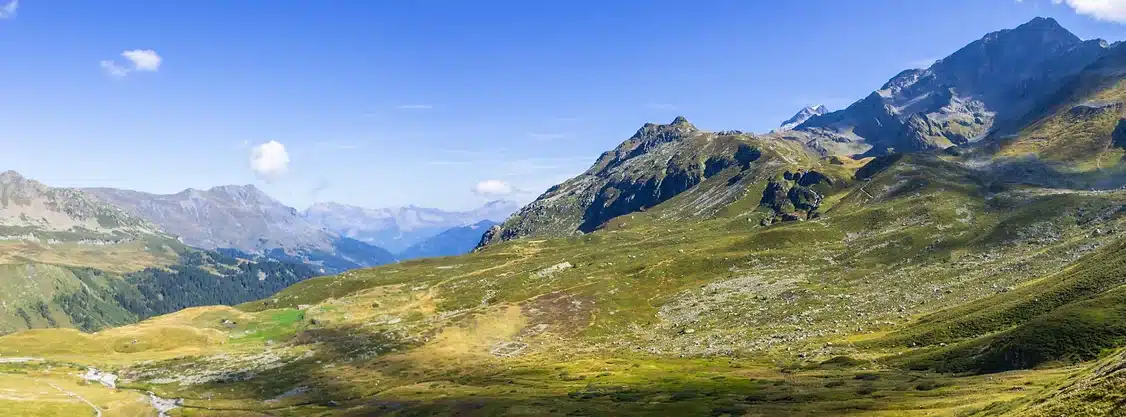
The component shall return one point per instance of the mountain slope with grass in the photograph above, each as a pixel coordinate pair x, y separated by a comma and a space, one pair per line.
712, 273
69, 259
718, 315
655, 165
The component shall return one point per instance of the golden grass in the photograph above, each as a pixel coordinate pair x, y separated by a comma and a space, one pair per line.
60, 392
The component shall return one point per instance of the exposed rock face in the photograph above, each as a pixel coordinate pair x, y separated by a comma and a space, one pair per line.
795, 196
958, 99
29, 206
397, 229
657, 163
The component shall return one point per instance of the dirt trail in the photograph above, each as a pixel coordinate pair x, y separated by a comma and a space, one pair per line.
97, 411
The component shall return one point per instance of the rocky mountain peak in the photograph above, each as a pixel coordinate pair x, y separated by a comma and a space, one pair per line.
10, 176
1046, 26
247, 189
681, 121
803, 115
960, 98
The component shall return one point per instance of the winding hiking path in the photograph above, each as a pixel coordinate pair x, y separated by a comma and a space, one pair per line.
97, 411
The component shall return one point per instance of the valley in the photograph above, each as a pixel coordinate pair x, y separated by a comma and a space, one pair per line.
953, 244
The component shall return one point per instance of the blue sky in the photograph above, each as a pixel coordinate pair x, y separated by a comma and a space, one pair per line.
388, 103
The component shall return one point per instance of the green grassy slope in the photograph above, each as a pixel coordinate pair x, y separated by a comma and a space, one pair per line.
37, 294
711, 315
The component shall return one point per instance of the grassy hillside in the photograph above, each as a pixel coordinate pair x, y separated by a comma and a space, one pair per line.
918, 266
164, 276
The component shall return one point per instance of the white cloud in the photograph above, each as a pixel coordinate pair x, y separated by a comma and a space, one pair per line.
143, 59
8, 11
661, 106
492, 188
1108, 10
269, 160
146, 60
414, 107
113, 69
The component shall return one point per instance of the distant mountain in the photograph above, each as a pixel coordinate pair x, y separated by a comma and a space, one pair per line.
960, 98
455, 241
802, 116
396, 229
70, 259
30, 210
247, 219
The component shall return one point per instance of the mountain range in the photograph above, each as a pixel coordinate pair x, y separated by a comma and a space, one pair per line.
245, 218
951, 244
97, 257
990, 88
397, 229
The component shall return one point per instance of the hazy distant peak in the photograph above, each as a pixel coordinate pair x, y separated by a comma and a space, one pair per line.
803, 115
10, 176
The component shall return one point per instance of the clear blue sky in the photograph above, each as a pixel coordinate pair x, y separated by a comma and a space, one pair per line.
387, 103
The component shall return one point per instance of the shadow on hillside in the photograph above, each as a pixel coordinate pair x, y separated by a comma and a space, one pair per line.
357, 371
1030, 170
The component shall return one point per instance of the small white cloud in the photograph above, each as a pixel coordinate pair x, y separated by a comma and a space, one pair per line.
143, 59
113, 69
146, 60
492, 188
8, 11
414, 107
1108, 10
269, 160
661, 106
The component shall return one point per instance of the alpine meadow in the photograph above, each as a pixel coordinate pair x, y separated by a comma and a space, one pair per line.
951, 244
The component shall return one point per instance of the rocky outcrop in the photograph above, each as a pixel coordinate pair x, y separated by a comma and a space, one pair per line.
795, 196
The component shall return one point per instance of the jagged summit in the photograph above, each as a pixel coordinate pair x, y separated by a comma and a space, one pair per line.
959, 98
803, 115
681, 121
1045, 25
10, 175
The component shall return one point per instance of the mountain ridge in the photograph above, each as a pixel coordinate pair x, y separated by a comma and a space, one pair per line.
956, 101
397, 228
244, 217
